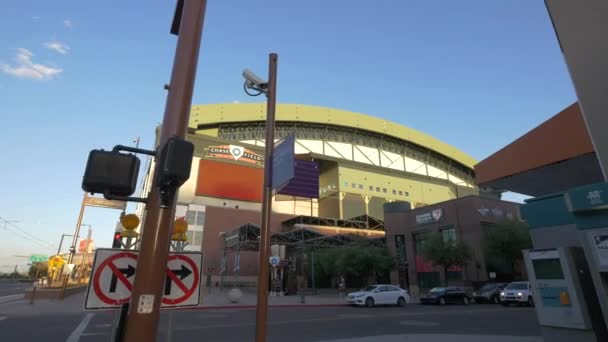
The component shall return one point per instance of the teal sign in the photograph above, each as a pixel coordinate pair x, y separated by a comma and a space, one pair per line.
553, 296
588, 198
38, 258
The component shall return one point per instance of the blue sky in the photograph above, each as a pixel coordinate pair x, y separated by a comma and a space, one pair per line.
78, 75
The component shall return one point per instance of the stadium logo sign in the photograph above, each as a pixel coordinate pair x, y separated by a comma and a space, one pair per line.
429, 217
235, 152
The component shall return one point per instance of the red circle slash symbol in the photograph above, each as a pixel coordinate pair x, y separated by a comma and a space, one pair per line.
118, 274
183, 272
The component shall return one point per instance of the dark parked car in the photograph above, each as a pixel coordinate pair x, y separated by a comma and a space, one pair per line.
445, 295
489, 293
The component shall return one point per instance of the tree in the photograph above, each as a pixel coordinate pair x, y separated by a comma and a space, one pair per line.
357, 262
446, 253
41, 267
504, 242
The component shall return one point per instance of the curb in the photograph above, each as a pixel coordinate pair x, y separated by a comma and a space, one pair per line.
286, 306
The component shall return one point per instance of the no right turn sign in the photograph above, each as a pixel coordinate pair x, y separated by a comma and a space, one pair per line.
114, 274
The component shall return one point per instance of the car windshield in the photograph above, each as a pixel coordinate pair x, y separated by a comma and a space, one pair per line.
488, 287
517, 286
369, 289
437, 289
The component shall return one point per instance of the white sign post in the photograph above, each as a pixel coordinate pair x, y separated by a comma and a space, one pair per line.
113, 275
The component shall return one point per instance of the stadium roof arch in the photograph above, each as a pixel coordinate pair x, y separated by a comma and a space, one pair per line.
372, 140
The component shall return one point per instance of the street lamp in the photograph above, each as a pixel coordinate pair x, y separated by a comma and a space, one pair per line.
269, 88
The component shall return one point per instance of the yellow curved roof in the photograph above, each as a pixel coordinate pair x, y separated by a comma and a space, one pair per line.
243, 112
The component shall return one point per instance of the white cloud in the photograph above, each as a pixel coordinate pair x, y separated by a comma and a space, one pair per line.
57, 46
25, 68
235, 101
67, 23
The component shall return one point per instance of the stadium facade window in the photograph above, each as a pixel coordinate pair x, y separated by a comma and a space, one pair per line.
400, 193
407, 193
354, 185
200, 218
191, 216
345, 183
377, 189
384, 190
394, 192
360, 186
371, 188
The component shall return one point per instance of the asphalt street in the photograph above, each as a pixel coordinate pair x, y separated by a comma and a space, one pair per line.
284, 324
11, 287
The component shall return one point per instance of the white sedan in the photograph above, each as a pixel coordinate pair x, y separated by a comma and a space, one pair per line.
379, 295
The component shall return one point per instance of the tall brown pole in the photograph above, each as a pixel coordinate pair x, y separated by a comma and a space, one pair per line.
144, 311
74, 240
261, 313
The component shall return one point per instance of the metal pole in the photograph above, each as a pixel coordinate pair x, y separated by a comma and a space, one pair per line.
74, 239
312, 262
144, 313
85, 257
35, 283
61, 242
261, 313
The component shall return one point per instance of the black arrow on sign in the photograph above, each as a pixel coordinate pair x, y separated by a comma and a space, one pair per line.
128, 272
181, 273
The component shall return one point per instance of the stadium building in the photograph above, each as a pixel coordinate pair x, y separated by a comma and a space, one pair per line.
348, 166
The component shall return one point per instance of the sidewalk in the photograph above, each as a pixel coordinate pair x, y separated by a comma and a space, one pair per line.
442, 338
22, 307
219, 298
215, 300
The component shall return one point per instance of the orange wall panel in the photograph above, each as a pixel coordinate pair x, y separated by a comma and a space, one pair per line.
562, 137
230, 181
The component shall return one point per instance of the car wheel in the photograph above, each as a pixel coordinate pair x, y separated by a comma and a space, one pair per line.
369, 302
401, 301
465, 301
530, 301
441, 301
495, 300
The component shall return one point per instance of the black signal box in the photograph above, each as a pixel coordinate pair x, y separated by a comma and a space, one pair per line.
111, 173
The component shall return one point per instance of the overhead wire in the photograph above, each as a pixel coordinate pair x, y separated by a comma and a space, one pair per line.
24, 235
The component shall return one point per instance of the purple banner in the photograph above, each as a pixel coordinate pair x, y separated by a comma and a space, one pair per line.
305, 182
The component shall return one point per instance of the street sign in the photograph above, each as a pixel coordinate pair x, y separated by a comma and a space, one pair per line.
274, 261
104, 203
38, 258
113, 276
283, 162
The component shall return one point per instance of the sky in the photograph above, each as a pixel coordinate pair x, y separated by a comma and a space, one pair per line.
80, 75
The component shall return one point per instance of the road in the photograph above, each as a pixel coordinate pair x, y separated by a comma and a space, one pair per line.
285, 324
11, 287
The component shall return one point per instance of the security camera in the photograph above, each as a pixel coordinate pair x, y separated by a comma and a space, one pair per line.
253, 81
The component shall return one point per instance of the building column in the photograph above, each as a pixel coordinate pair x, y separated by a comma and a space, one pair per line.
341, 196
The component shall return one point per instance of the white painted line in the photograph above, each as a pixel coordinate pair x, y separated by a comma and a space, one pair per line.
2, 318
419, 323
75, 336
95, 334
10, 298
